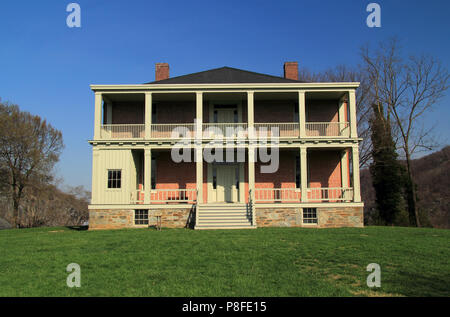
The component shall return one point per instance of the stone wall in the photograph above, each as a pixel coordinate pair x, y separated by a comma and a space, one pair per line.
110, 219
340, 217
173, 218
118, 219
278, 217
328, 217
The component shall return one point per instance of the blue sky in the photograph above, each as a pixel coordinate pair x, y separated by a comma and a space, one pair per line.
47, 67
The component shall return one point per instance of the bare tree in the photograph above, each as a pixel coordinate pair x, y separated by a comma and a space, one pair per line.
344, 73
29, 148
407, 89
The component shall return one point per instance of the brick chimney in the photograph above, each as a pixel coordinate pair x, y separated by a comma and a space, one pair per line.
291, 70
161, 71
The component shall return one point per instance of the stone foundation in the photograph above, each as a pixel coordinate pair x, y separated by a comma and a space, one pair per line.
118, 219
278, 217
110, 219
327, 217
340, 217
173, 218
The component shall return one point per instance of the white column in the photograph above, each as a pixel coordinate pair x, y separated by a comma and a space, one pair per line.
344, 168
199, 173
342, 117
356, 180
302, 113
147, 175
199, 114
97, 115
148, 115
304, 173
250, 113
353, 120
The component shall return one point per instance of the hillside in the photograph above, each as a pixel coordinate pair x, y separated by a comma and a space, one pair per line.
47, 205
432, 173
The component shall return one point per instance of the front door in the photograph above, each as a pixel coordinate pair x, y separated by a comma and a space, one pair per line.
226, 183
225, 115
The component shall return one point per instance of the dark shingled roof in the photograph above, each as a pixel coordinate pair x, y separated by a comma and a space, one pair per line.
225, 75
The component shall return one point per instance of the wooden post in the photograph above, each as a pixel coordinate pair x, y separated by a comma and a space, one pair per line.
98, 115
304, 173
148, 115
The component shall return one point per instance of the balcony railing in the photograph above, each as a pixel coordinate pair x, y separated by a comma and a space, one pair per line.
137, 197
122, 131
165, 196
327, 129
262, 195
173, 195
224, 130
172, 130
293, 195
280, 195
335, 194
286, 129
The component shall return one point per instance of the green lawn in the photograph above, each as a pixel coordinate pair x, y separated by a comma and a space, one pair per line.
261, 262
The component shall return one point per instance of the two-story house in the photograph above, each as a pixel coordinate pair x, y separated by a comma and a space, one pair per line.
226, 148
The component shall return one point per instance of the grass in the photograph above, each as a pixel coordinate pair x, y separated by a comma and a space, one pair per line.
261, 262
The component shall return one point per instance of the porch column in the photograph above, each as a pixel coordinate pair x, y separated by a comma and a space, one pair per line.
199, 173
343, 116
251, 172
147, 175
302, 113
356, 180
199, 115
304, 173
353, 120
97, 115
250, 114
148, 115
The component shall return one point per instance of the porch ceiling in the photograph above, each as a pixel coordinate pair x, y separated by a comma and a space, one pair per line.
124, 97
319, 95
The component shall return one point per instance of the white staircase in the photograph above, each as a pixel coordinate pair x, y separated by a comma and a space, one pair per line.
224, 216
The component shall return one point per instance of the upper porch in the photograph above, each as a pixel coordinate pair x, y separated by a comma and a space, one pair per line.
143, 114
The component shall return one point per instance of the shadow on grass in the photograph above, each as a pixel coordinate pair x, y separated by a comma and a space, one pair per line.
424, 285
78, 228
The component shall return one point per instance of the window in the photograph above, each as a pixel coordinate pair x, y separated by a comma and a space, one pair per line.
114, 178
309, 215
141, 217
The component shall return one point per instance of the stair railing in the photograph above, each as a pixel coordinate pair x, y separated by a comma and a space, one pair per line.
251, 207
196, 208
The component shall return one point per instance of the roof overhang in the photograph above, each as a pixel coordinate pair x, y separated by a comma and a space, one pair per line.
234, 87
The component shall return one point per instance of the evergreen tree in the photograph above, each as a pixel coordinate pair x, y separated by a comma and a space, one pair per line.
387, 175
